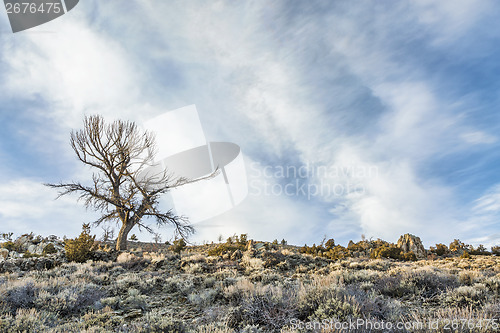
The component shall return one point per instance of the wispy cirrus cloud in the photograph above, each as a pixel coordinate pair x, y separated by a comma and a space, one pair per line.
306, 84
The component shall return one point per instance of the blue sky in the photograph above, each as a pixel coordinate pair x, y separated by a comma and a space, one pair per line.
408, 90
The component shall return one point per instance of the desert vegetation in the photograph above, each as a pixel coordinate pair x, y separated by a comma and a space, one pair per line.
242, 285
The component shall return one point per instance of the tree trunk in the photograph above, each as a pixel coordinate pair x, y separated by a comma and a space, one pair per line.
121, 241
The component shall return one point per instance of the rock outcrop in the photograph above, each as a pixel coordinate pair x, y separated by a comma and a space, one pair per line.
409, 242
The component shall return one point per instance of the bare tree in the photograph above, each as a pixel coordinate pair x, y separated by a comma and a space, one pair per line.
122, 188
108, 234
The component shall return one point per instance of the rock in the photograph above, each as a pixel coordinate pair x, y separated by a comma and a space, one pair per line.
32, 248
10, 266
236, 255
408, 242
23, 241
14, 254
259, 246
4, 253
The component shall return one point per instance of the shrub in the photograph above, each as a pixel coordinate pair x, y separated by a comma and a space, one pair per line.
232, 244
330, 244
495, 250
179, 245
224, 248
408, 256
11, 246
480, 250
336, 308
7, 235
465, 296
80, 249
465, 255
457, 245
28, 254
49, 249
337, 252
386, 251
440, 249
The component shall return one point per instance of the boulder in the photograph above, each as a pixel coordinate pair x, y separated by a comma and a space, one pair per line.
32, 248
409, 242
24, 242
52, 238
14, 254
4, 253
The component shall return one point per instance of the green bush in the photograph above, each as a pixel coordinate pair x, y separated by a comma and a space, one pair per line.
440, 249
80, 249
232, 244
9, 245
179, 245
336, 252
465, 255
408, 256
49, 249
480, 250
386, 251
28, 254
224, 248
12, 246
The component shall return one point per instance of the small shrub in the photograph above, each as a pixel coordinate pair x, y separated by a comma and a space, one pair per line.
409, 256
49, 249
179, 245
11, 246
80, 249
480, 250
457, 245
330, 244
440, 249
386, 251
336, 252
465, 296
28, 254
232, 244
465, 255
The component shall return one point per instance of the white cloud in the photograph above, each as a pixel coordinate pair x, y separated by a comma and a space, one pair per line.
29, 206
241, 75
450, 20
478, 137
489, 202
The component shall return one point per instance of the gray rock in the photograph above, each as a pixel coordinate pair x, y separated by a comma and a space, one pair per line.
32, 248
259, 246
24, 241
14, 254
408, 242
4, 253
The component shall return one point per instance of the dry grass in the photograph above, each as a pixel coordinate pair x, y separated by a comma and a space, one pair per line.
266, 291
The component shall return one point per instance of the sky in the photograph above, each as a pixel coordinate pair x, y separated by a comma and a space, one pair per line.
367, 118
